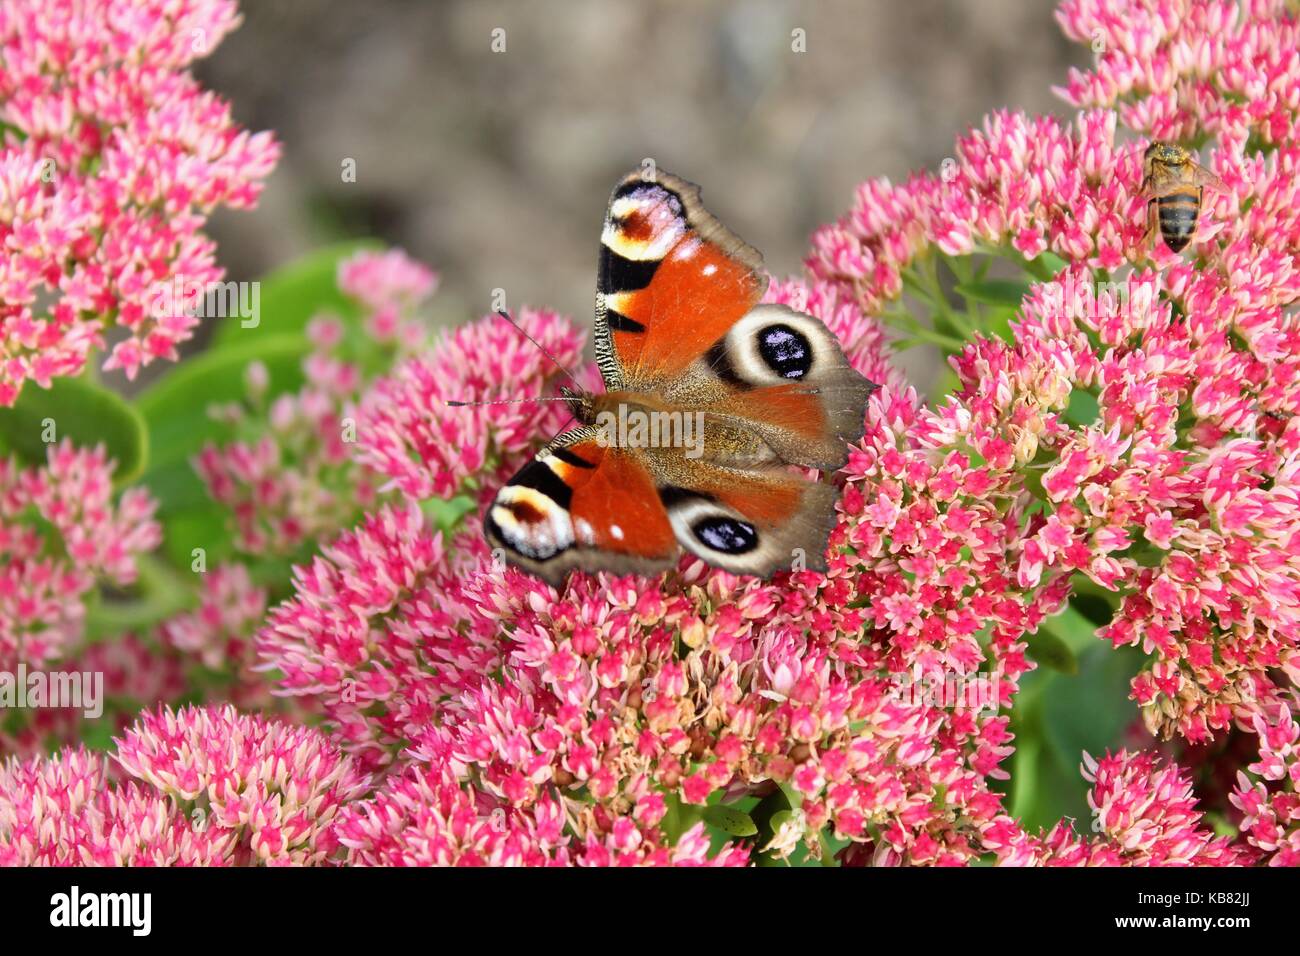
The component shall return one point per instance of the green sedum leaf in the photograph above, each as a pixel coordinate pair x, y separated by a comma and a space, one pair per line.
293, 294
1048, 649
1074, 631
999, 292
729, 820
1059, 715
83, 411
1083, 409
175, 411
445, 515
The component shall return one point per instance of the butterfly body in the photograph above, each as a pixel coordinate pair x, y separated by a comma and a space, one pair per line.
710, 400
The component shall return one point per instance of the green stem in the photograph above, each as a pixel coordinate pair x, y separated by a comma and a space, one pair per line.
828, 849
949, 342
1037, 268
913, 284
953, 318
961, 267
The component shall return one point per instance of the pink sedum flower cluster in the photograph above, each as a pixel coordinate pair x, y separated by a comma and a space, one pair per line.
613, 701
1144, 814
61, 534
59, 811
1189, 524
1129, 428
427, 449
352, 636
1175, 70
112, 158
1179, 492
426, 818
206, 786
1270, 803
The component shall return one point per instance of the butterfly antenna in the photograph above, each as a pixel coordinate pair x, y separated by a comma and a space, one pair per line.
541, 348
507, 401
554, 361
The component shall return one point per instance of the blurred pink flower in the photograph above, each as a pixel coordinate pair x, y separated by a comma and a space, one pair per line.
407, 432
136, 674
61, 534
294, 478
391, 277
219, 634
112, 158
215, 632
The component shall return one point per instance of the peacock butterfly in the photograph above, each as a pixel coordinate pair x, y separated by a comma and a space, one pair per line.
710, 398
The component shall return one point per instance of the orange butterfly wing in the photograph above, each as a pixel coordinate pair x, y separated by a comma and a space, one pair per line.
671, 281
581, 505
577, 498
678, 321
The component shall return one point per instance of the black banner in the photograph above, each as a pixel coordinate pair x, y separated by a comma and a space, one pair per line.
338, 907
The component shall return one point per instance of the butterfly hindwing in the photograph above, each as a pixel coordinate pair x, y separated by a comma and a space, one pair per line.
578, 504
782, 375
754, 521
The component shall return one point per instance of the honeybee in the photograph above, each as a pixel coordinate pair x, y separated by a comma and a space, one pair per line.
1174, 184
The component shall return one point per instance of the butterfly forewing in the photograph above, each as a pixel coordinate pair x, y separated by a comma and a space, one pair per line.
671, 281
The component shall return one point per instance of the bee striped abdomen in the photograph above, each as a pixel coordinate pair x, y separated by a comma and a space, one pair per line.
1178, 212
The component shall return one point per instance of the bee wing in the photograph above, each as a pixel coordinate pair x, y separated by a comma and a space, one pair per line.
1204, 178
1157, 181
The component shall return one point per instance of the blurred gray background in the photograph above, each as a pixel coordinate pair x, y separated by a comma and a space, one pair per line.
494, 167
